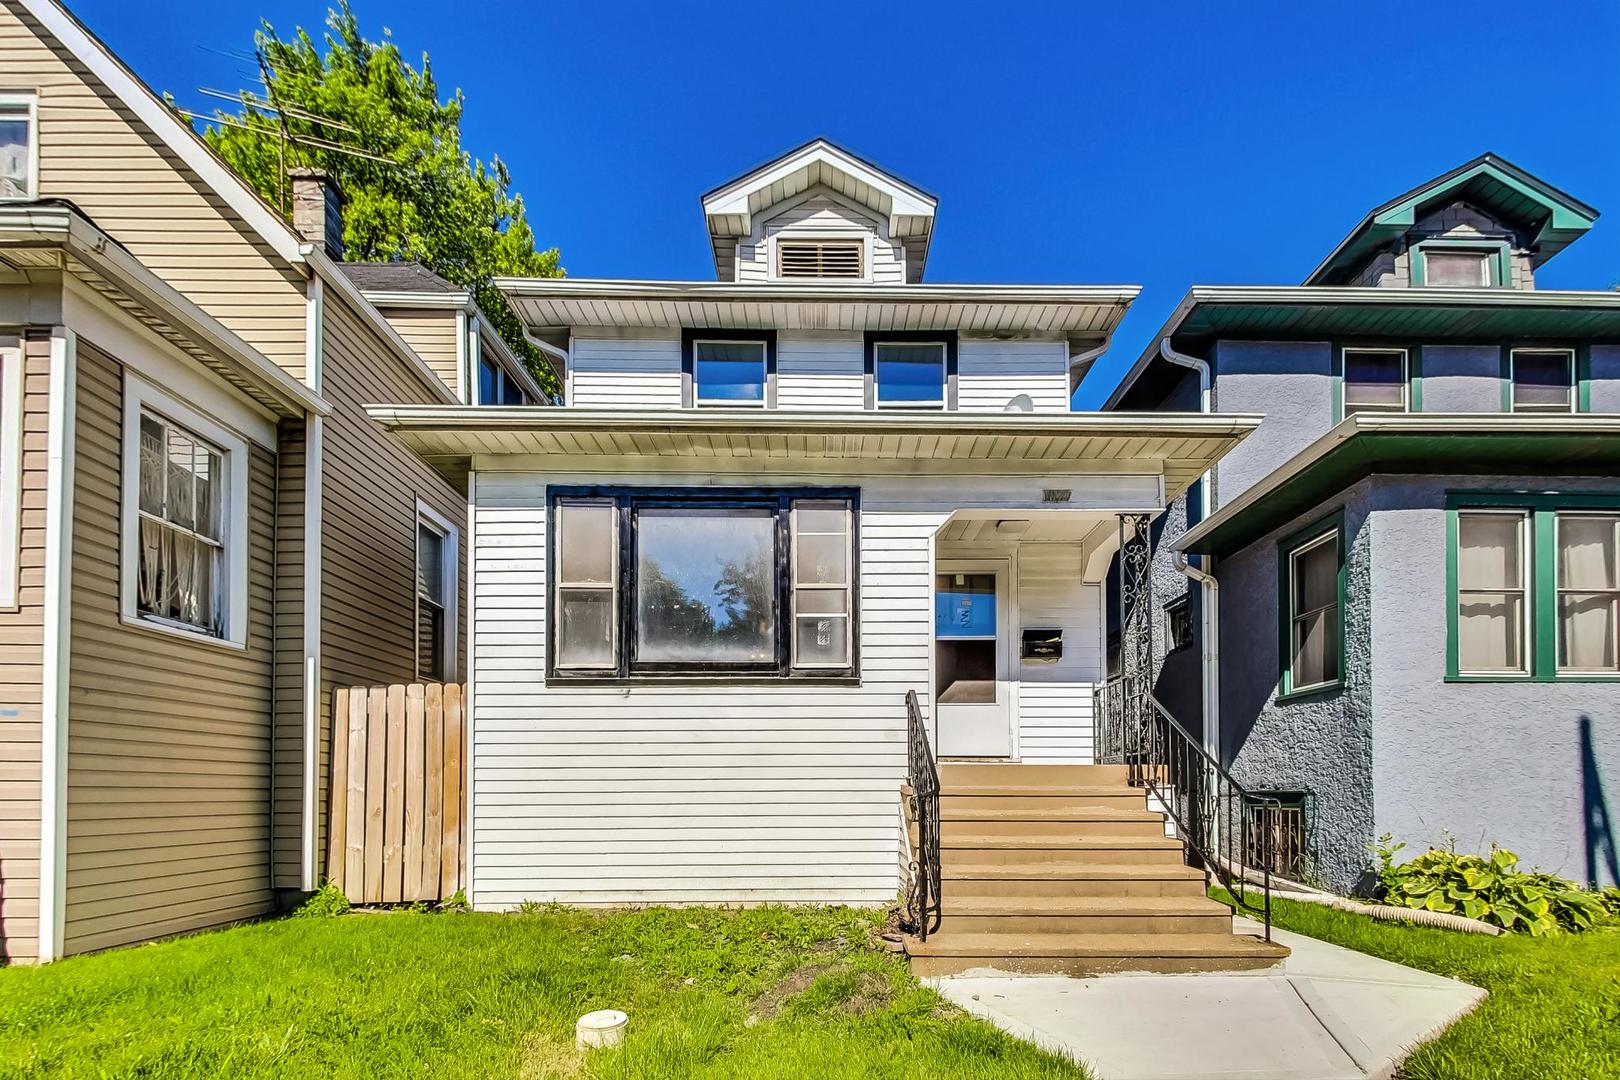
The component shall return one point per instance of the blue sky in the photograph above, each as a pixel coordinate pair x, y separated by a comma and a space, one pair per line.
1159, 144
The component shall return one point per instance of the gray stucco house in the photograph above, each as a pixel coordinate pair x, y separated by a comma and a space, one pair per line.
1395, 605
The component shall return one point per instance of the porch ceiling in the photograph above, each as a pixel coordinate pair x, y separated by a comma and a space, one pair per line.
1177, 446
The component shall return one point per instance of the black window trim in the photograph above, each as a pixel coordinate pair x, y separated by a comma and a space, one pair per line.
689, 368
629, 499
948, 338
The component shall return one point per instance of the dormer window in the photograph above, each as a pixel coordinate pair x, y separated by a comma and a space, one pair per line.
842, 259
18, 156
1457, 268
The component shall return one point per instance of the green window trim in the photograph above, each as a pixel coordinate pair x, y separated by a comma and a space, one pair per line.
1413, 364
1580, 386
1541, 648
1499, 253
1287, 547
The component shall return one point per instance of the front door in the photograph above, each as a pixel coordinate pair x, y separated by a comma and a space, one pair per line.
972, 692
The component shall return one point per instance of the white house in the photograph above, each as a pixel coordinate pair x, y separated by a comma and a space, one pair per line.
773, 504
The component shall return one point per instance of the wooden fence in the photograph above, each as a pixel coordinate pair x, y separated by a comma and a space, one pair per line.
394, 830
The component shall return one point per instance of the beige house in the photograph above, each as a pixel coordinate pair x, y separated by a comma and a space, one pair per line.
201, 532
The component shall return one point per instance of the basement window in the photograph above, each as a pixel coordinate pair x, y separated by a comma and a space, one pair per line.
844, 259
685, 583
1278, 833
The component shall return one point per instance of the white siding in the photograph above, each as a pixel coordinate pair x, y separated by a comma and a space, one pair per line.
1054, 700
724, 793
990, 373
826, 372
626, 372
821, 214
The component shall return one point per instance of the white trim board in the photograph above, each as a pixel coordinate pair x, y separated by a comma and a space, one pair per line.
12, 388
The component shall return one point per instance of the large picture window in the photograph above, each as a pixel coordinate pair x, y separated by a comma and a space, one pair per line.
1313, 610
702, 582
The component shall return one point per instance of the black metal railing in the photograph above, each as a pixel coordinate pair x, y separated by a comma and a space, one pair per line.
1214, 815
922, 914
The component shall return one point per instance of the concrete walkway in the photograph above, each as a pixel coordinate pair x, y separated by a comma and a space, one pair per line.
1325, 1013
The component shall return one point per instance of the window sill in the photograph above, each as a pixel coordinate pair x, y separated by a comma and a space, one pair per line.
1572, 677
1306, 695
175, 633
577, 681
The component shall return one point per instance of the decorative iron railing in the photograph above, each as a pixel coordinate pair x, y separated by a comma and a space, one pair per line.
922, 914
1214, 815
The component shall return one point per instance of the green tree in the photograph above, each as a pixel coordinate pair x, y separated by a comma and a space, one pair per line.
428, 200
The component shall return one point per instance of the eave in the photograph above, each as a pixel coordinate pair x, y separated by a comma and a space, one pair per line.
1420, 443
1318, 313
552, 304
1177, 446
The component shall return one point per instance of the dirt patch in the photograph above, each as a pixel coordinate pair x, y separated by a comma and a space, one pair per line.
854, 992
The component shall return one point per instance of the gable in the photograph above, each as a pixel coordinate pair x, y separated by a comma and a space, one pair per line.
96, 153
820, 214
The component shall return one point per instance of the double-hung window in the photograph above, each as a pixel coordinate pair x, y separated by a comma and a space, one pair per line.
436, 586
1313, 612
19, 147
910, 372
682, 583
729, 369
183, 519
1543, 380
1375, 380
1536, 586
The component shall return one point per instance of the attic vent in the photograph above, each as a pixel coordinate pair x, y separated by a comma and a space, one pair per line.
820, 258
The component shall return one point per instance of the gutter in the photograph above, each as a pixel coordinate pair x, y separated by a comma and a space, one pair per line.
1210, 636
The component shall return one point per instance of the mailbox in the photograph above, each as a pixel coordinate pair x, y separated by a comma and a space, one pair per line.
1042, 643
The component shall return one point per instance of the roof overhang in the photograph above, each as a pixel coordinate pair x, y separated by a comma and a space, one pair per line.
1422, 443
1178, 447
1319, 313
57, 236
1551, 219
463, 302
907, 209
555, 304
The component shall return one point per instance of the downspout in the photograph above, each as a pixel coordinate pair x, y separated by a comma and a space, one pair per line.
1211, 634
558, 355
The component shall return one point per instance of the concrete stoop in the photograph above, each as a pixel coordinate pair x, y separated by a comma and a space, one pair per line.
1064, 869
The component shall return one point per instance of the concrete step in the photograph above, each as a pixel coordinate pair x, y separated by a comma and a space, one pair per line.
1089, 954
995, 797
953, 774
959, 846
1072, 879
969, 914
1017, 819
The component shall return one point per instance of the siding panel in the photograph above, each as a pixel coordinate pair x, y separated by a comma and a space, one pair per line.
990, 374
432, 333
169, 741
626, 373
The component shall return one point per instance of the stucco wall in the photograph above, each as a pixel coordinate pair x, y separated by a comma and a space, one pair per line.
1462, 378
1291, 383
1605, 375
1477, 762
1320, 743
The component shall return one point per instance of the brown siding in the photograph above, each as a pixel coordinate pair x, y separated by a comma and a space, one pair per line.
370, 484
168, 824
432, 333
93, 152
21, 656
288, 813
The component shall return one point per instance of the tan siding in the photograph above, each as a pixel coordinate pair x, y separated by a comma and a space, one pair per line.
432, 333
288, 776
93, 152
168, 741
370, 484
21, 654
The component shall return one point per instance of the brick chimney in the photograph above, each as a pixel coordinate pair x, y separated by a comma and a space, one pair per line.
317, 208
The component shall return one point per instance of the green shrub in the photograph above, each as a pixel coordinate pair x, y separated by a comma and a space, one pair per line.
1490, 888
324, 903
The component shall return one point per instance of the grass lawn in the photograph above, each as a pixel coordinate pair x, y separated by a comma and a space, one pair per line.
761, 993
1554, 1009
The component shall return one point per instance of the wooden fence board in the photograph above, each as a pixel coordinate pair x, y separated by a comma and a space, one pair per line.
376, 780
395, 809
415, 761
433, 790
354, 858
450, 877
